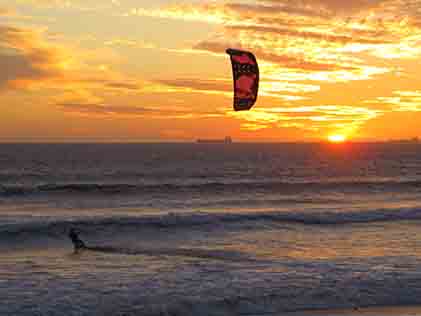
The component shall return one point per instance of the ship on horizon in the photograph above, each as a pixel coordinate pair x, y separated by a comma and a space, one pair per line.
226, 140
414, 140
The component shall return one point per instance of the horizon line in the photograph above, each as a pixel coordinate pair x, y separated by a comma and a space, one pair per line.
321, 141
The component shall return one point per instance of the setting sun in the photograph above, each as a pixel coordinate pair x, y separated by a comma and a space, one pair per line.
337, 138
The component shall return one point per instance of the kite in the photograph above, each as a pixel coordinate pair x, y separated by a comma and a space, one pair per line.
245, 73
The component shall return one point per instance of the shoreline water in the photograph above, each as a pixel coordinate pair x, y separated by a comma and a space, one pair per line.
410, 310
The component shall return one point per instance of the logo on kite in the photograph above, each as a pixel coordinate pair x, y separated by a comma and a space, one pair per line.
245, 73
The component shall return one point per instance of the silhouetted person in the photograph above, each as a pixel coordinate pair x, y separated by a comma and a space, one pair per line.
78, 244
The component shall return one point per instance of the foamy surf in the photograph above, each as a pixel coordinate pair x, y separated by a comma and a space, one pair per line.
365, 311
105, 284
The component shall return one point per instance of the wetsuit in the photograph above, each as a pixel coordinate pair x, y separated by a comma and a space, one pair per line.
77, 242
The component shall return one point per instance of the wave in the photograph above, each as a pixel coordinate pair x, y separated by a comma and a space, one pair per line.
287, 187
99, 225
389, 299
366, 297
216, 254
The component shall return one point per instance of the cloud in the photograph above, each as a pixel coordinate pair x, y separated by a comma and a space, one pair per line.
79, 5
284, 8
209, 13
303, 40
20, 68
275, 89
285, 61
338, 6
103, 109
271, 87
129, 42
25, 59
401, 101
199, 84
313, 118
280, 31
61, 73
225, 13
107, 83
122, 85
112, 110
309, 27
6, 12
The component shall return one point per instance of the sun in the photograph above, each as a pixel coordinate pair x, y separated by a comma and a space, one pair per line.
336, 138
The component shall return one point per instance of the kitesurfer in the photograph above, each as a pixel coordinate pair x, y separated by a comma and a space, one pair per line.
78, 244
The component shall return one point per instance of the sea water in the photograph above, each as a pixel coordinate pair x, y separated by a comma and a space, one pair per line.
209, 229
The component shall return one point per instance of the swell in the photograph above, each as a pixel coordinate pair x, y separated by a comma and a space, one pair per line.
286, 187
216, 254
139, 225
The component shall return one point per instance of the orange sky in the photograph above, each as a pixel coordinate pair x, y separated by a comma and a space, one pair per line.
137, 70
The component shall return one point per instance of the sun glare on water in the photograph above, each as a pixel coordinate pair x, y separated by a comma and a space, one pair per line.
337, 138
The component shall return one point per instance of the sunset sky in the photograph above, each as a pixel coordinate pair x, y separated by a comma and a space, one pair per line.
137, 70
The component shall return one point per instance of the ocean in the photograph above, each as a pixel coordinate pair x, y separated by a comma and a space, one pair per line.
210, 229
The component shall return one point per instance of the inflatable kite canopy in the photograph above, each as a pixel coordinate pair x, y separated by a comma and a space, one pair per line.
245, 73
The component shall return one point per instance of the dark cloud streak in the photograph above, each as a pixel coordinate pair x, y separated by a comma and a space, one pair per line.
343, 39
103, 109
23, 59
335, 6
198, 84
282, 60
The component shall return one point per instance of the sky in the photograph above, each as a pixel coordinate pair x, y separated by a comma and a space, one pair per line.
137, 70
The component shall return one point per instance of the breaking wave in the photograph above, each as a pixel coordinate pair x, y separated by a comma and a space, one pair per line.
127, 188
54, 228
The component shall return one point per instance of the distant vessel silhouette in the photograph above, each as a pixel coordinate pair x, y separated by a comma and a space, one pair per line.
226, 140
414, 140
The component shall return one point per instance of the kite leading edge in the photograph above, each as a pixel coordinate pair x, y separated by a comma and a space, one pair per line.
246, 78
